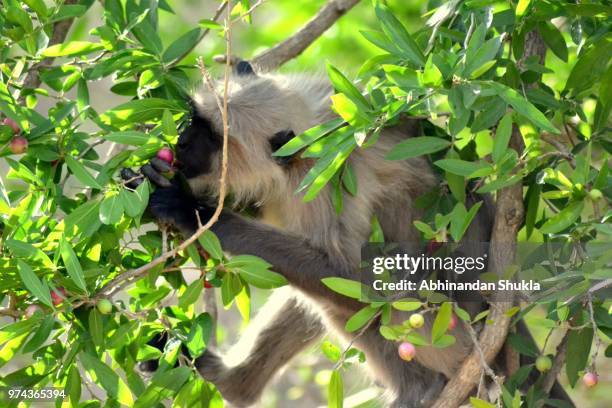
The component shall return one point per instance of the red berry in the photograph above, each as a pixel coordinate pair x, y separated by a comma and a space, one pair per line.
590, 380
58, 296
12, 124
208, 285
18, 145
31, 310
453, 322
406, 351
166, 154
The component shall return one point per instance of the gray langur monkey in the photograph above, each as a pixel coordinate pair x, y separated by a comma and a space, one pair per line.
304, 242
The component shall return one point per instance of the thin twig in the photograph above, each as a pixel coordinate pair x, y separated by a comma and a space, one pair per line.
355, 337
598, 340
557, 365
249, 11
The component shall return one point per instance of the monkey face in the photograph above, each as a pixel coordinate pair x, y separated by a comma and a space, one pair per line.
264, 113
197, 147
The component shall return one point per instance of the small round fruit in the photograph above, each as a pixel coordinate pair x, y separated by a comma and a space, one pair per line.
31, 310
104, 306
453, 322
208, 285
595, 194
543, 364
57, 297
18, 145
590, 379
166, 154
416, 321
12, 124
406, 351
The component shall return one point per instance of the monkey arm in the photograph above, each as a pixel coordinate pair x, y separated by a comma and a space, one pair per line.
300, 262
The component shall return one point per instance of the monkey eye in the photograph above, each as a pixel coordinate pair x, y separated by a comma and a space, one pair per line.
281, 138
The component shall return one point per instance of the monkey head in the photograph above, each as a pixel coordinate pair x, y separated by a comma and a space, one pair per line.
264, 112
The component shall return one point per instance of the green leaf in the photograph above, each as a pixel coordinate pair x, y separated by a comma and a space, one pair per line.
104, 376
261, 277
553, 39
407, 305
483, 54
129, 137
478, 403
398, 35
71, 49
523, 346
191, 294
522, 7
230, 288
33, 284
579, 343
85, 217
489, 116
210, 24
442, 321
323, 176
199, 335
310, 136
502, 137
164, 385
41, 335
444, 341
182, 45
255, 271
416, 146
28, 251
141, 110
563, 219
111, 209
461, 219
335, 391
349, 180
533, 202
96, 327
346, 287
360, 318
211, 244
523, 106
81, 173
460, 167
331, 351
72, 265
342, 84
132, 203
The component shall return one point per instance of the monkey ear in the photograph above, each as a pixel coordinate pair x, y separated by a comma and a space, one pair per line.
244, 68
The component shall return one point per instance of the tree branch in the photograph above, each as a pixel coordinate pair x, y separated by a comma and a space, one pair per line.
59, 32
508, 218
298, 42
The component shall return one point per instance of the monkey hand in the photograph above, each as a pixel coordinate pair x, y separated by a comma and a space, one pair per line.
172, 202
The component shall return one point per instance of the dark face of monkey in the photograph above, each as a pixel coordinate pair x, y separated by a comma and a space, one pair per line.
196, 147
